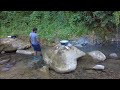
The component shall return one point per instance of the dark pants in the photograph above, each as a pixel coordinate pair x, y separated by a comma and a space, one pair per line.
36, 47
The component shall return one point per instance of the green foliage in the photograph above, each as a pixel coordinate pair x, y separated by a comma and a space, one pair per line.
57, 24
117, 18
51, 24
97, 18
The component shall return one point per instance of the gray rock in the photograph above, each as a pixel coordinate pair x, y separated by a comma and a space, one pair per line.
10, 44
62, 60
97, 55
113, 56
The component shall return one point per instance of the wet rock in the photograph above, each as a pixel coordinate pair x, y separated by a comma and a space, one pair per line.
4, 61
35, 64
62, 60
3, 52
26, 52
97, 55
113, 56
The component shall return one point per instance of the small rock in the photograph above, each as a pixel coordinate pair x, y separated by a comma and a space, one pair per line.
113, 56
3, 52
69, 45
97, 55
98, 67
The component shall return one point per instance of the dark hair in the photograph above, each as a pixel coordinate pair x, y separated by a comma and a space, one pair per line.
34, 29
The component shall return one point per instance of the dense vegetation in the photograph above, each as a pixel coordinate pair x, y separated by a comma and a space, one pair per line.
58, 24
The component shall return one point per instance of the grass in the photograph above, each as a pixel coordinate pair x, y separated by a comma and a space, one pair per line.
46, 31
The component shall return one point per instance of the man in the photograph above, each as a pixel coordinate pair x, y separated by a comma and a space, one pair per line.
35, 43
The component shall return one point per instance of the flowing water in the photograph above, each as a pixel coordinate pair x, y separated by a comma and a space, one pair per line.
110, 47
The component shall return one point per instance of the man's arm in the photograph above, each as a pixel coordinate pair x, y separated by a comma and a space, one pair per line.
38, 39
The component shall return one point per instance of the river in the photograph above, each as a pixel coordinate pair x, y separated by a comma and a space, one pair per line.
19, 69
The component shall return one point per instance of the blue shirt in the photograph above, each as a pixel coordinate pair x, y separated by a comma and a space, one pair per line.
33, 37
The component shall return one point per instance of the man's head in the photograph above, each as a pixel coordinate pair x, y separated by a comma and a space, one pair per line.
35, 30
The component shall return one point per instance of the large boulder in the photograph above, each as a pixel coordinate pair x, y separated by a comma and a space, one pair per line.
10, 44
97, 55
62, 59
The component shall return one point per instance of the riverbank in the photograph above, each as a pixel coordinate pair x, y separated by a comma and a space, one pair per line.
21, 71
